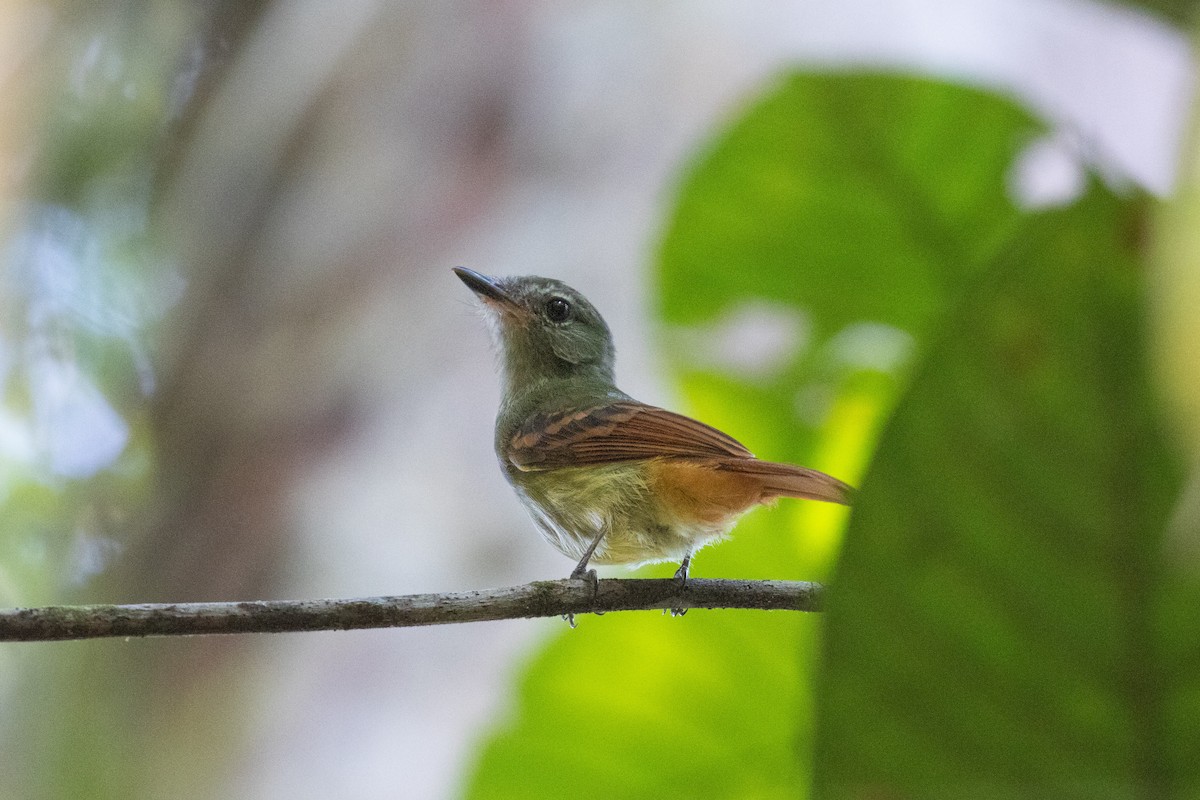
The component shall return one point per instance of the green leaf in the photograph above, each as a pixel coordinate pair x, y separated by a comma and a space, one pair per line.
853, 196
997, 627
1180, 12
646, 705
857, 206
861, 203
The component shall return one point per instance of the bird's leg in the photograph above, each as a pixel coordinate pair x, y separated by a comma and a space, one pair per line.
582, 573
681, 576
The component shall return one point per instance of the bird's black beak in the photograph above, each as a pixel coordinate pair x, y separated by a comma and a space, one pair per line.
488, 289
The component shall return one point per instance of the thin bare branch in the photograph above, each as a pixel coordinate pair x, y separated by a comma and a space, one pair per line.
540, 599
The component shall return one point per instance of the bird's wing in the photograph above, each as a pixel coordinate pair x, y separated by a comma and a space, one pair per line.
614, 432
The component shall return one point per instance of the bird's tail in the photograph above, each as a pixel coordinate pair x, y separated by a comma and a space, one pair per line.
787, 480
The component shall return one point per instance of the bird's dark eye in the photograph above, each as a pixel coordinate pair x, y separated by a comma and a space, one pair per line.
557, 309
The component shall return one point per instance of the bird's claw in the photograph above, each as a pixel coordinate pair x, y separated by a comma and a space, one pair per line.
588, 575
681, 580
681, 576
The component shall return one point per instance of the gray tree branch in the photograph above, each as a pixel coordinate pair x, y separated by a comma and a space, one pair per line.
539, 599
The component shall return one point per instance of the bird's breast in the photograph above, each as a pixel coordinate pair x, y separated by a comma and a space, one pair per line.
652, 510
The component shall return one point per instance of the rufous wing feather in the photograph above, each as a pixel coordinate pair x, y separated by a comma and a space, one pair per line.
615, 432
632, 431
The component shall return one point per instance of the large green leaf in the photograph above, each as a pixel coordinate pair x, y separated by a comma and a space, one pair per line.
1000, 625
854, 196
647, 705
860, 204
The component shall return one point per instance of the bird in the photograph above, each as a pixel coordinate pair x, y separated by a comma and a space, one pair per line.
608, 479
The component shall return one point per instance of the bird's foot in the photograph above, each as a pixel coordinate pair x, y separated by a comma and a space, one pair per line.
680, 579
681, 576
582, 573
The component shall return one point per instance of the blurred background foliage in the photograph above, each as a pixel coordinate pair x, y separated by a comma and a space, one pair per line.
233, 368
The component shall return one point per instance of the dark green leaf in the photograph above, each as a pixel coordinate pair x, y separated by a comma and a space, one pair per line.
994, 627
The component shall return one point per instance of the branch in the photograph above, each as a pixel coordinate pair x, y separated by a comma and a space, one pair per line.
539, 599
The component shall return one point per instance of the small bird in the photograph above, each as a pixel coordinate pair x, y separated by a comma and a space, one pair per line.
606, 478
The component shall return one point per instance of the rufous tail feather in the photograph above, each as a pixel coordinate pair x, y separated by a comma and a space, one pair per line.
787, 480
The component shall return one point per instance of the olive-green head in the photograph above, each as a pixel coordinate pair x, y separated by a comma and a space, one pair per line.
543, 328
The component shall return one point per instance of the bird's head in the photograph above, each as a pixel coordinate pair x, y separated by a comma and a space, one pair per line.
543, 328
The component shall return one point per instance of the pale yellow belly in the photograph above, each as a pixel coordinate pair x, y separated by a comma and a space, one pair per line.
572, 505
